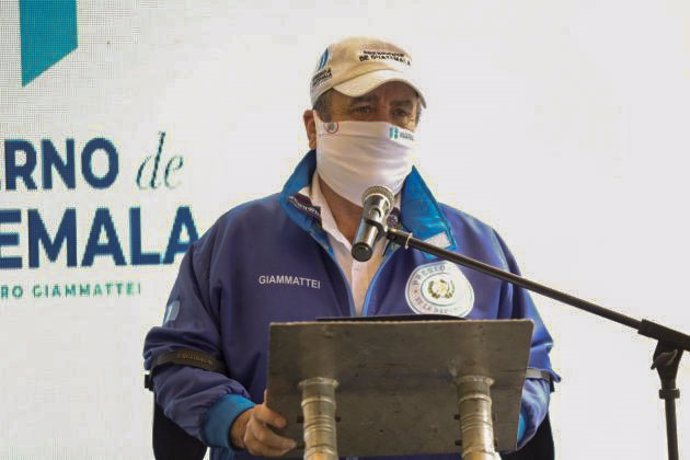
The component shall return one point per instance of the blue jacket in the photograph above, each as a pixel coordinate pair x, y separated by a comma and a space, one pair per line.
269, 261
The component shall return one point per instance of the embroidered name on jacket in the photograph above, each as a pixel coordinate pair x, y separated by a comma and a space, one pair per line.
290, 280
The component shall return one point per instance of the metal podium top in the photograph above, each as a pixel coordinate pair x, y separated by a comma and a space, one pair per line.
396, 392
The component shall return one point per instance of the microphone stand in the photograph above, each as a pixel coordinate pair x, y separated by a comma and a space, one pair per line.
670, 343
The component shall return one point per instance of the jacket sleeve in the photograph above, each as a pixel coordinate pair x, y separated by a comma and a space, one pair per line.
536, 392
203, 403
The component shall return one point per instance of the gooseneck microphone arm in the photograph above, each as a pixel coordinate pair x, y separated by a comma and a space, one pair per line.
670, 343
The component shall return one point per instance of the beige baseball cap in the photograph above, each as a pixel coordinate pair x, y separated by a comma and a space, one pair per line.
354, 66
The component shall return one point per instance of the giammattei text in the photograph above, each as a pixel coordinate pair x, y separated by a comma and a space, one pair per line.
123, 288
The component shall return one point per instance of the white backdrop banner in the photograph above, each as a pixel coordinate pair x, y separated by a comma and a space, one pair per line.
128, 127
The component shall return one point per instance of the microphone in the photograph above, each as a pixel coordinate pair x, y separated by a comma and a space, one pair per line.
377, 202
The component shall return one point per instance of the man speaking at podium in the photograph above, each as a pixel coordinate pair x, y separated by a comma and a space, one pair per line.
287, 257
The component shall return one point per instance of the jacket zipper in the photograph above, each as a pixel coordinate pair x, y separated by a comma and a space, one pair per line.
370, 289
350, 297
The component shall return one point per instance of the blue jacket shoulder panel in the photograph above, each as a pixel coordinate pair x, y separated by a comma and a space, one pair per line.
474, 238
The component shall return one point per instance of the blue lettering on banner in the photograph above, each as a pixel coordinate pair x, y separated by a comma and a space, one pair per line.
103, 222
139, 257
52, 160
93, 146
57, 243
173, 165
13, 292
183, 221
103, 240
9, 216
15, 170
67, 231
21, 160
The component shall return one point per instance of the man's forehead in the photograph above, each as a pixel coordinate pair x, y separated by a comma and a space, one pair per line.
396, 91
402, 100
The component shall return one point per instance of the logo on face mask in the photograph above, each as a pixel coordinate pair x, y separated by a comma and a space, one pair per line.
331, 128
396, 133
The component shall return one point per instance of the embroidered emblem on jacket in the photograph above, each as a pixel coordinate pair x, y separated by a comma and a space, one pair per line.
171, 311
439, 288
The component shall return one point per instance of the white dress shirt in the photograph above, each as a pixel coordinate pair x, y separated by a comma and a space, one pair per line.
358, 274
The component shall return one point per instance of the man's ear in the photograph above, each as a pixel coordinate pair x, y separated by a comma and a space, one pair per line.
310, 127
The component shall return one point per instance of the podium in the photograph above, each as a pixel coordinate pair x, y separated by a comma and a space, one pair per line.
376, 388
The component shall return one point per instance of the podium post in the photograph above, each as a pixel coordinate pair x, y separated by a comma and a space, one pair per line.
318, 409
403, 387
476, 424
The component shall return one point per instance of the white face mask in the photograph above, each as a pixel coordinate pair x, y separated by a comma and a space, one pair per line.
351, 156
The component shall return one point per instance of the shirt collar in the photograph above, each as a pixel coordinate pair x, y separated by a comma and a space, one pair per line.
328, 223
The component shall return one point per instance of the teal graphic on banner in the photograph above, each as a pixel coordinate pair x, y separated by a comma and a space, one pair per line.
48, 33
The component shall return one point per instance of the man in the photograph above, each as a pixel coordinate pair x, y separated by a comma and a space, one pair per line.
287, 258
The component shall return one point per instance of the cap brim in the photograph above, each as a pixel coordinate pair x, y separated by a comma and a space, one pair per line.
359, 86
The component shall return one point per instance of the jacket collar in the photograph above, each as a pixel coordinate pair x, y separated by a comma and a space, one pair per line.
420, 212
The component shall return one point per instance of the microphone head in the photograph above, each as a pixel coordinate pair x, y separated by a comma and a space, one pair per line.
377, 202
361, 252
380, 190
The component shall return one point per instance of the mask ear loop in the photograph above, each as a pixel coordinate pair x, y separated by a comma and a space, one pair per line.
318, 121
